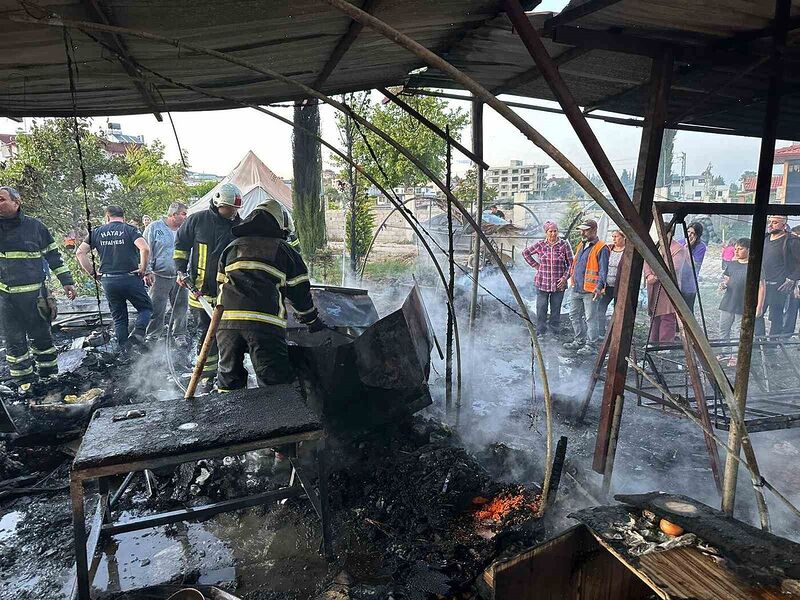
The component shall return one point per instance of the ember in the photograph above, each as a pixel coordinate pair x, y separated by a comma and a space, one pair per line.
506, 504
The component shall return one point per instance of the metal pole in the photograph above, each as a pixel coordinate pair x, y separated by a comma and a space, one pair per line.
448, 377
477, 149
757, 236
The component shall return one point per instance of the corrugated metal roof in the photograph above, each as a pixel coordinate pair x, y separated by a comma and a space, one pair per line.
293, 37
720, 78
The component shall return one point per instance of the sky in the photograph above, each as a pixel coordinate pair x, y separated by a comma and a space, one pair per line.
217, 140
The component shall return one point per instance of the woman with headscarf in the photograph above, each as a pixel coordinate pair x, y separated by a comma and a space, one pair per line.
552, 263
664, 320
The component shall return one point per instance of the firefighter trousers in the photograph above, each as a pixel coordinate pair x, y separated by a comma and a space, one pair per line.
210, 368
268, 353
21, 322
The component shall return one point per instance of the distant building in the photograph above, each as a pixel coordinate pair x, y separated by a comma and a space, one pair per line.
8, 146
789, 188
697, 188
196, 178
516, 178
748, 191
328, 178
115, 143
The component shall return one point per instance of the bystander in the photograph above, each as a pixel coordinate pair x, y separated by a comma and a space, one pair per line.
552, 272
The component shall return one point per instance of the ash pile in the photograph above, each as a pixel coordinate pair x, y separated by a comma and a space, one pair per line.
415, 514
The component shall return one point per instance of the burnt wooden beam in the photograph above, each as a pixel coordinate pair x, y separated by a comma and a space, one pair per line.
344, 44
127, 64
433, 127
534, 73
757, 237
572, 14
630, 275
533, 43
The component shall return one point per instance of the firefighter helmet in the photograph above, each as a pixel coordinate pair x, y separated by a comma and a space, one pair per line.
279, 212
229, 195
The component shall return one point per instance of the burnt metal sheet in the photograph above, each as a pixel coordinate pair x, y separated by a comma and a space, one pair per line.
713, 43
377, 378
181, 426
741, 542
339, 307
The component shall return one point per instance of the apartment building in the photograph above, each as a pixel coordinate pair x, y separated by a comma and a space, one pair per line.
517, 177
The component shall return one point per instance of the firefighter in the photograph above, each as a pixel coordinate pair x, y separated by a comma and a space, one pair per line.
25, 308
198, 245
257, 272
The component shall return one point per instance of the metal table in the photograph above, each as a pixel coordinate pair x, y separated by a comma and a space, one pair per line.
168, 433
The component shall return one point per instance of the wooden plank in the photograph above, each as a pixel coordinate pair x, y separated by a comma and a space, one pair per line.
571, 566
687, 573
630, 274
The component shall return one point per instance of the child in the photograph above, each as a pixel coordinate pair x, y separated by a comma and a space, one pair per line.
727, 254
733, 284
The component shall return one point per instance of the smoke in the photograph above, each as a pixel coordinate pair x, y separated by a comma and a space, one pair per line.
150, 376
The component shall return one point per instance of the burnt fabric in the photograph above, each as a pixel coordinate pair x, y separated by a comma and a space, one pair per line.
21, 322
257, 272
25, 246
198, 246
268, 353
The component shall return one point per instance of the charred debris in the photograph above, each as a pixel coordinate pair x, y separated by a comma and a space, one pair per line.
413, 513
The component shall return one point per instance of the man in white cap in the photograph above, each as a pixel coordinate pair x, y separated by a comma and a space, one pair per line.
588, 273
198, 247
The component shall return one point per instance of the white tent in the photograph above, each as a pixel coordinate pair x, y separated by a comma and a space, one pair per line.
257, 182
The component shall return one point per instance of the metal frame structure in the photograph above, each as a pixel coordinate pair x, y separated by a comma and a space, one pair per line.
86, 545
631, 216
769, 409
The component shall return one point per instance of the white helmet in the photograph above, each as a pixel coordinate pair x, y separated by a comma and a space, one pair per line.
229, 195
281, 215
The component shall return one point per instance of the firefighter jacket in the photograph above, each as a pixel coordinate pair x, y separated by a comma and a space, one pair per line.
25, 243
198, 245
257, 272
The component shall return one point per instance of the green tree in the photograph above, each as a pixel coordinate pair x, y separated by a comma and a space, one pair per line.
364, 225
355, 236
47, 172
309, 211
408, 131
149, 183
562, 188
390, 167
198, 190
467, 189
628, 181
572, 215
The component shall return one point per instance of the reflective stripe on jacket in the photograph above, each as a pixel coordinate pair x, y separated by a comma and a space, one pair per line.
257, 274
591, 277
25, 245
198, 246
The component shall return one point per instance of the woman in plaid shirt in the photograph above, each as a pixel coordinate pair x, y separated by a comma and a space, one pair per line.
552, 263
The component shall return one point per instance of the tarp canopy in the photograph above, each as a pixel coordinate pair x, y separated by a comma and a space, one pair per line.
257, 182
